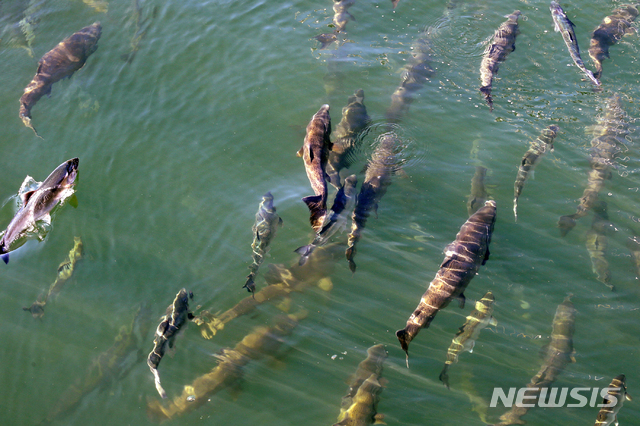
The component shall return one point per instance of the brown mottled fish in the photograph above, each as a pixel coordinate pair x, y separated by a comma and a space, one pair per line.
463, 258
531, 158
62, 61
315, 154
504, 42
613, 402
466, 337
38, 203
174, 319
609, 32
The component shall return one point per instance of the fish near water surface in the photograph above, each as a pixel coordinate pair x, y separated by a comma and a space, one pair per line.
385, 162
609, 140
466, 337
609, 32
336, 220
65, 271
557, 354
609, 415
264, 230
463, 258
174, 319
38, 203
347, 137
531, 158
566, 28
504, 42
315, 154
62, 61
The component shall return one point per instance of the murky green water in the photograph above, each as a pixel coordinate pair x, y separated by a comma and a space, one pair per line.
178, 145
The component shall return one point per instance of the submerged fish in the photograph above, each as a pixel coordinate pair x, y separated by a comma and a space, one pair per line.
463, 258
565, 27
347, 137
478, 194
362, 411
609, 140
597, 243
384, 163
263, 341
315, 154
62, 61
336, 220
141, 26
557, 354
504, 42
531, 158
609, 32
466, 337
615, 398
176, 316
341, 14
38, 203
65, 271
372, 365
264, 229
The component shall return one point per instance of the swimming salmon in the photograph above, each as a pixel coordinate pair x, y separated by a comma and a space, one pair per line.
609, 32
617, 392
597, 243
463, 258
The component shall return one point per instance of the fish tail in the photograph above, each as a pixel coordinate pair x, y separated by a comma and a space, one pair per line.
566, 224
5, 258
305, 252
444, 377
486, 91
350, 254
250, 285
515, 208
404, 339
159, 387
317, 209
27, 122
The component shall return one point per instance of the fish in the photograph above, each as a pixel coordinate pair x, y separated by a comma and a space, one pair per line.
326, 39
362, 410
419, 70
38, 203
341, 15
597, 243
504, 42
465, 339
141, 26
109, 366
609, 32
261, 342
609, 140
347, 137
531, 158
264, 230
172, 322
618, 393
566, 28
315, 154
463, 258
557, 354
65, 271
479, 194
395, 3
62, 61
385, 162
371, 365
336, 220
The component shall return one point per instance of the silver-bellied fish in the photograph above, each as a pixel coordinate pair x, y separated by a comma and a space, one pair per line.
173, 321
609, 140
385, 162
37, 204
531, 158
566, 28
609, 32
263, 341
65, 271
315, 154
597, 243
463, 258
62, 61
613, 402
347, 137
466, 337
504, 42
264, 230
558, 353
336, 220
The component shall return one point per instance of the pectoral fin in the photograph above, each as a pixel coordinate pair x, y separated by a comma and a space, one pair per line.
628, 397
461, 300
73, 201
486, 256
493, 321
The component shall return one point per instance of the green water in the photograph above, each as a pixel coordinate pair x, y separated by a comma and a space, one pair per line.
177, 147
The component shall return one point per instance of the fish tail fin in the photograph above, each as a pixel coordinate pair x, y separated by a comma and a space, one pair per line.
350, 254
566, 224
515, 208
4, 253
250, 285
444, 377
403, 338
317, 209
27, 122
486, 91
395, 3
304, 252
159, 387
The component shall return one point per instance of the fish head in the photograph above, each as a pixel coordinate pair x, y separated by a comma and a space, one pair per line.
92, 34
64, 175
